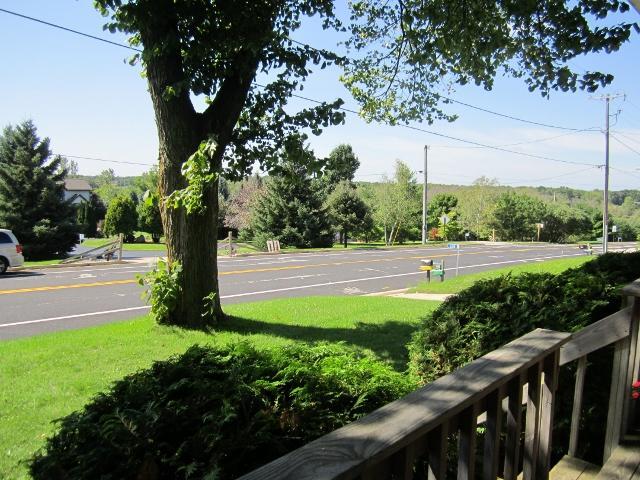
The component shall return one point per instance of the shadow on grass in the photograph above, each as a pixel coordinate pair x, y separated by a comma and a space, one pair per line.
387, 340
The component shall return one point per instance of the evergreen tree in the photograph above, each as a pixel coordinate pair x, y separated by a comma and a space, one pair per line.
32, 194
292, 210
341, 165
121, 217
348, 211
89, 214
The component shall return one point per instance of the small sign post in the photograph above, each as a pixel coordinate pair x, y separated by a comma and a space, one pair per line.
456, 247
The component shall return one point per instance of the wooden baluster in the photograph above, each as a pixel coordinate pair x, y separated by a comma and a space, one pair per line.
616, 396
514, 427
468, 421
547, 397
630, 413
532, 424
492, 434
577, 406
402, 462
438, 442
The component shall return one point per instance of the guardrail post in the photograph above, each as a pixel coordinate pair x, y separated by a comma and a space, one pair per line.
121, 240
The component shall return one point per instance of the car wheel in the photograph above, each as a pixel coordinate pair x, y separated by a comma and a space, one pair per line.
3, 265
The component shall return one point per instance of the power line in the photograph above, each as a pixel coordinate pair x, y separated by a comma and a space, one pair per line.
634, 140
478, 144
70, 30
449, 99
105, 160
624, 144
511, 117
539, 140
633, 174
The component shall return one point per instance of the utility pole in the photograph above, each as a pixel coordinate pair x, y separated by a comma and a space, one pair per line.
424, 198
605, 200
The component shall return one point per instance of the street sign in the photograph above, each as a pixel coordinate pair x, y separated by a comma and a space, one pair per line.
444, 219
454, 246
614, 229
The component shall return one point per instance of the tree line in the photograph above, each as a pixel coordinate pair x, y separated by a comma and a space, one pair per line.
304, 202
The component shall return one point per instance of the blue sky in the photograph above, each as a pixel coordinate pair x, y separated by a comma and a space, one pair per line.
83, 95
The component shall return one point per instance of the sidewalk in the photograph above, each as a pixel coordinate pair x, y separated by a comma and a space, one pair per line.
440, 297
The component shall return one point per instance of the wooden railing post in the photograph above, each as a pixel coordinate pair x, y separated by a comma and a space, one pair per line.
532, 424
576, 412
550, 369
630, 412
621, 411
514, 427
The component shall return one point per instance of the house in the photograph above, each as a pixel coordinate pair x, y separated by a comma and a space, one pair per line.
77, 190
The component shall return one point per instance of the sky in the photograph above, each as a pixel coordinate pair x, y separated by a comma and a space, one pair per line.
83, 95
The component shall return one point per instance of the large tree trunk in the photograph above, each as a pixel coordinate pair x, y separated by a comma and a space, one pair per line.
191, 239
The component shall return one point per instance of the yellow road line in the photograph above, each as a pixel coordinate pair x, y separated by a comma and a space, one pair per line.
62, 287
249, 270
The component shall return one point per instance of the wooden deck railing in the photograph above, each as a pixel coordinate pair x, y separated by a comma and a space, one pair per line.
387, 443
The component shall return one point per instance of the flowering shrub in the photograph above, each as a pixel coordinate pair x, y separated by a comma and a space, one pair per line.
635, 390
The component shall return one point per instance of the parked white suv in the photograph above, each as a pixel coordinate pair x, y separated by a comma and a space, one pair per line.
10, 251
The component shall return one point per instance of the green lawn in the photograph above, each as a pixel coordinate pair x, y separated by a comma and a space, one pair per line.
46, 377
36, 263
455, 284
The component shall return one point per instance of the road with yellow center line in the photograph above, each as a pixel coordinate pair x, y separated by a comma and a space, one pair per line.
253, 270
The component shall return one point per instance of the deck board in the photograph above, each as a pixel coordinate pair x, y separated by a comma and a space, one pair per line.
570, 468
624, 462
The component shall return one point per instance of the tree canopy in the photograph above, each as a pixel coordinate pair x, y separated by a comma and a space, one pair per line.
402, 55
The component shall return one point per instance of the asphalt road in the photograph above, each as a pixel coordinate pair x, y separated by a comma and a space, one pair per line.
38, 301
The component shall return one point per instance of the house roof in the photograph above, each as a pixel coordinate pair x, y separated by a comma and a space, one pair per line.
76, 184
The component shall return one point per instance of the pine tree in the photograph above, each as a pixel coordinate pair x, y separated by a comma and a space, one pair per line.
32, 194
348, 211
292, 209
89, 214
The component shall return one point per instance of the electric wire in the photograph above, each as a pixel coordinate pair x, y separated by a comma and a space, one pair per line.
624, 144
448, 99
441, 135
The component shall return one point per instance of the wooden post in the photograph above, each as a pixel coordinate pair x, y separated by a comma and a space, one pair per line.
514, 427
547, 396
121, 240
467, 443
492, 435
531, 432
230, 243
438, 443
577, 406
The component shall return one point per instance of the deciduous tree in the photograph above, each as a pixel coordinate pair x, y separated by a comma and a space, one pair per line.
406, 51
348, 211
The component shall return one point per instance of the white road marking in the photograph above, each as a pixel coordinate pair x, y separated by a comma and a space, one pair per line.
53, 319
300, 287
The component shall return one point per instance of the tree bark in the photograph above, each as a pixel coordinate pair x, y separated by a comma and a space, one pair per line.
191, 239
344, 235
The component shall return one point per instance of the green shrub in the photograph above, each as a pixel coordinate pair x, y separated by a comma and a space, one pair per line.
163, 289
494, 312
216, 413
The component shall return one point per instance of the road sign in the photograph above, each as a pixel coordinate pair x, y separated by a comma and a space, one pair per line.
614, 229
444, 219
455, 246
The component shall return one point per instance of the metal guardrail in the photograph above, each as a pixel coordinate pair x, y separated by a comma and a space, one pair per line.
106, 251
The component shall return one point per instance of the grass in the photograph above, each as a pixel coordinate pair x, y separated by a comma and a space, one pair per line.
35, 263
456, 284
49, 376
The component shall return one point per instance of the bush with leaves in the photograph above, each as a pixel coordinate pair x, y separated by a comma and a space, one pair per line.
163, 289
216, 413
121, 217
494, 312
